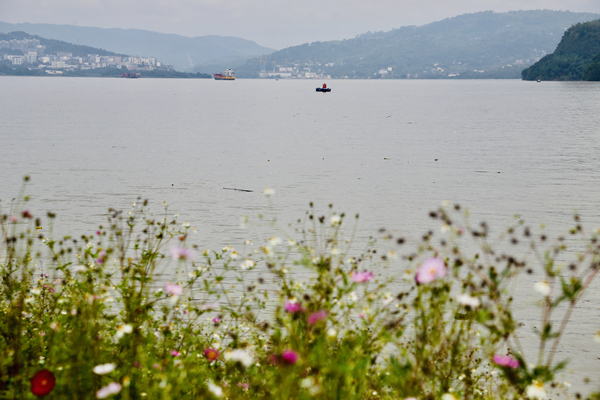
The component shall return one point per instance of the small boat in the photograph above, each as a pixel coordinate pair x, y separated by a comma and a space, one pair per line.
228, 75
323, 89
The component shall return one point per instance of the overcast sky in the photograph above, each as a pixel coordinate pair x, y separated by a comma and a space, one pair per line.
271, 23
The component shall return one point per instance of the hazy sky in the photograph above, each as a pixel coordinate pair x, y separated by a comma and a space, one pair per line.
271, 23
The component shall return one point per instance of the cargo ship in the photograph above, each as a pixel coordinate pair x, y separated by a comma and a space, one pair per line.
225, 76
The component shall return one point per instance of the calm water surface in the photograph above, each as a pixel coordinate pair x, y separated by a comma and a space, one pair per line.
389, 150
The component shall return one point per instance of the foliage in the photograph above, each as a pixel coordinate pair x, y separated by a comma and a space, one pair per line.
573, 55
134, 310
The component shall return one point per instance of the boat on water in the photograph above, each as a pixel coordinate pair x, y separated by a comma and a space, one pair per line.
323, 89
228, 75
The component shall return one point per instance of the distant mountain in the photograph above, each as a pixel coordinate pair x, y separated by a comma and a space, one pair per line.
479, 45
198, 54
576, 57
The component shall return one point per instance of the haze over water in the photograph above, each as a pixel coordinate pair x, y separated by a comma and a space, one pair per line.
389, 150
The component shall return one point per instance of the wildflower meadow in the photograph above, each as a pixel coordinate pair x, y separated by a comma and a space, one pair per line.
136, 309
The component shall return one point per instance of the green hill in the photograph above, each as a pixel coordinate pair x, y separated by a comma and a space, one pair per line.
479, 45
575, 57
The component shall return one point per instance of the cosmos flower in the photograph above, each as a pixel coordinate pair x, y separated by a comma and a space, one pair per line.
173, 290
431, 269
104, 369
42, 383
108, 390
211, 354
289, 357
175, 353
506, 361
317, 316
182, 253
292, 306
361, 277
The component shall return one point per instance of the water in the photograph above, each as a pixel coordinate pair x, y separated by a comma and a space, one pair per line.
389, 150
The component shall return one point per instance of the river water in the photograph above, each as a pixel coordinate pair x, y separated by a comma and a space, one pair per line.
389, 150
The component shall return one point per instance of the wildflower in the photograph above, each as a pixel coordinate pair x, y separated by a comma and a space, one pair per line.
26, 214
335, 220
240, 356
468, 301
42, 383
211, 354
388, 298
275, 241
243, 385
101, 257
268, 192
448, 396
175, 353
332, 333
597, 337
104, 369
173, 290
542, 288
289, 357
361, 277
506, 361
108, 390
317, 316
182, 253
431, 269
247, 264
535, 391
293, 306
79, 268
214, 389
124, 329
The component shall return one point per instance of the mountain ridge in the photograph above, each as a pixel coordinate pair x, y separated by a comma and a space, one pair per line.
182, 52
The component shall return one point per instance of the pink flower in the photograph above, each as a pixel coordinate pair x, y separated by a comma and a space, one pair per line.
101, 257
173, 290
211, 354
181, 253
243, 385
317, 316
506, 361
361, 277
289, 357
293, 307
431, 269
175, 353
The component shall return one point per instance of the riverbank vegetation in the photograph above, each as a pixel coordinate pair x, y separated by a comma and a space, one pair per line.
136, 309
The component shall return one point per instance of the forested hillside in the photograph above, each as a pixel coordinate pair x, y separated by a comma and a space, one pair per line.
576, 57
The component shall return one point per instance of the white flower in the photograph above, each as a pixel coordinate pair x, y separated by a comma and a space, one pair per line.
448, 396
268, 192
275, 241
36, 291
104, 369
247, 264
332, 333
216, 390
240, 355
466, 300
335, 220
352, 297
388, 298
108, 390
535, 391
79, 268
124, 329
542, 288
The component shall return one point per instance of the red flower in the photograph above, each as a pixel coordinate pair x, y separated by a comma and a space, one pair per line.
42, 383
211, 354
